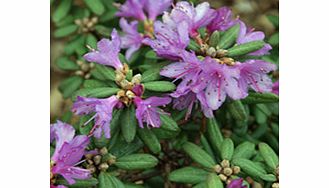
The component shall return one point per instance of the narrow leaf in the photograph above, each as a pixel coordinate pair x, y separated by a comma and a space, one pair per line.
136, 162
189, 175
160, 86
199, 155
129, 123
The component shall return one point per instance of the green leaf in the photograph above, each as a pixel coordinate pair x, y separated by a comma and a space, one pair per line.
214, 135
79, 183
189, 175
129, 123
244, 150
103, 72
270, 157
91, 40
245, 48
268, 177
249, 167
77, 42
100, 92
136, 162
199, 155
96, 6
69, 85
151, 55
274, 20
65, 31
65, 63
227, 149
150, 140
274, 39
214, 181
121, 147
214, 39
237, 110
106, 180
61, 10
255, 98
228, 38
115, 122
160, 86
101, 142
151, 75
103, 30
206, 146
193, 46
168, 123
92, 83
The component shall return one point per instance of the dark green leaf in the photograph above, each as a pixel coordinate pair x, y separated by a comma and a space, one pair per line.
199, 155
270, 157
62, 10
129, 123
274, 39
214, 181
106, 180
255, 98
214, 135
249, 167
96, 6
69, 85
65, 31
150, 140
79, 183
214, 39
91, 40
244, 150
65, 63
100, 92
245, 48
136, 162
151, 75
190, 175
237, 110
92, 83
227, 149
160, 86
228, 38
103, 72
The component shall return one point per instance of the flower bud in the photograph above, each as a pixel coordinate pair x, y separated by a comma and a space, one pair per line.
225, 163
227, 171
222, 177
217, 168
136, 79
103, 151
236, 170
103, 166
97, 159
275, 185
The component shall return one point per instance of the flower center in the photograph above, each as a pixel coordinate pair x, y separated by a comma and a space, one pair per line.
86, 24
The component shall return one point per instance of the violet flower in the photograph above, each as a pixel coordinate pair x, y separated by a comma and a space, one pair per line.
249, 35
68, 152
222, 21
131, 40
147, 110
170, 39
103, 109
253, 74
107, 53
196, 17
275, 88
156, 7
132, 9
236, 183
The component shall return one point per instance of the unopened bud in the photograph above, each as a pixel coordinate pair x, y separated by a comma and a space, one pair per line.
136, 79
85, 20
225, 163
227, 171
84, 67
211, 52
90, 24
103, 166
91, 65
94, 20
120, 93
236, 170
221, 53
91, 168
89, 156
228, 61
78, 22
89, 161
217, 168
79, 73
97, 159
87, 76
275, 185
103, 151
130, 94
119, 76
222, 177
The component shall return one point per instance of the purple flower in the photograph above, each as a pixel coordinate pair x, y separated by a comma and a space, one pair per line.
275, 88
107, 53
249, 35
132, 8
196, 18
131, 40
253, 74
237, 183
218, 81
222, 21
103, 112
147, 110
170, 39
156, 7
189, 100
68, 152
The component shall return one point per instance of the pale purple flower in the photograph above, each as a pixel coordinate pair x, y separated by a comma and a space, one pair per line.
236, 183
68, 152
156, 7
148, 110
103, 109
170, 39
222, 21
218, 81
275, 88
132, 9
196, 17
131, 40
107, 53
249, 35
253, 74
189, 100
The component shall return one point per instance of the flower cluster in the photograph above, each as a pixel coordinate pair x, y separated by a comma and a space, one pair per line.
131, 92
209, 74
68, 152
